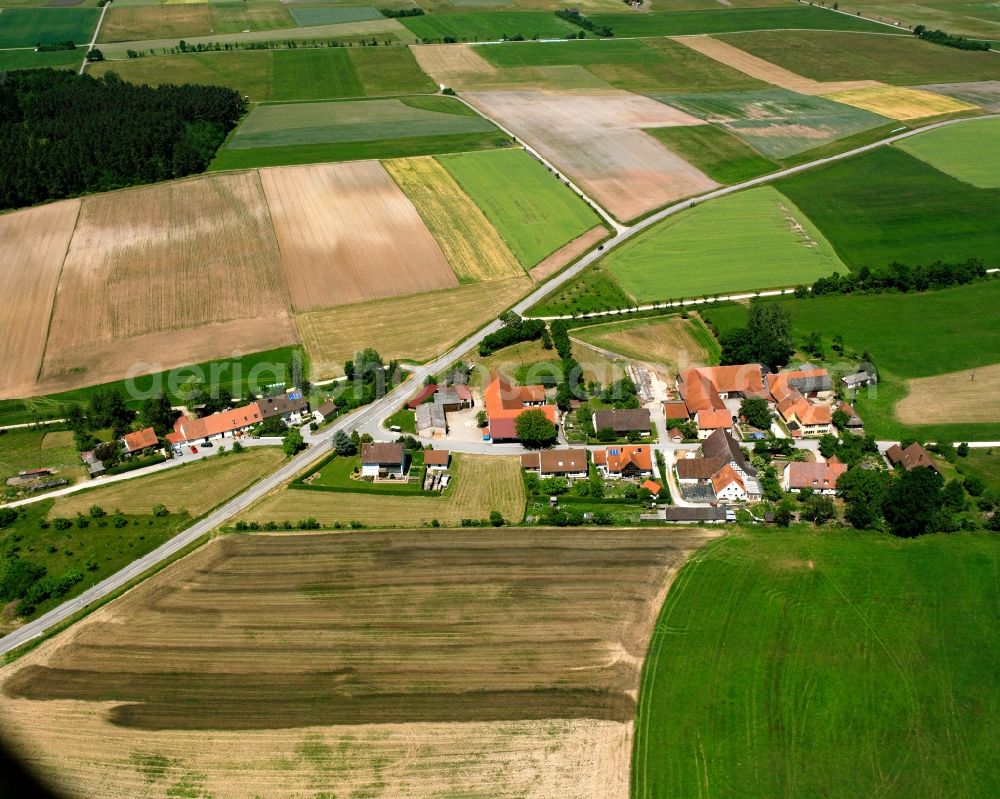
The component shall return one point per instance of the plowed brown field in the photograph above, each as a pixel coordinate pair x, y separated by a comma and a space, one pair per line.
174, 257
598, 140
384, 664
349, 234
416, 327
33, 243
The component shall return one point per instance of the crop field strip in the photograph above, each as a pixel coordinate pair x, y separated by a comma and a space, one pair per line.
753, 240
967, 152
860, 669
348, 234
399, 325
533, 212
480, 650
984, 93
776, 122
27, 27
900, 103
193, 270
715, 151
599, 141
471, 245
490, 25
839, 56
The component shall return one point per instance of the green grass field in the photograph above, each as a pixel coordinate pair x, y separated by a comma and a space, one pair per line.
389, 71
984, 464
836, 664
29, 59
916, 335
594, 289
900, 60
533, 212
558, 54
968, 152
293, 133
752, 240
307, 74
490, 26
26, 27
777, 122
25, 449
887, 206
728, 20
235, 374
716, 152
332, 15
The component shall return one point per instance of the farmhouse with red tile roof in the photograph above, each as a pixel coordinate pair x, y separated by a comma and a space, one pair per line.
504, 403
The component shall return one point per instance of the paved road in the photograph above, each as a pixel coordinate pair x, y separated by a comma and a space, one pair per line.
321, 443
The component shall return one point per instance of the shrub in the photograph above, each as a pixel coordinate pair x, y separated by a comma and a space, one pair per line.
160, 510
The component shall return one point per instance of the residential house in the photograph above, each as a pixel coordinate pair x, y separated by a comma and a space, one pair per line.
140, 440
325, 411
728, 485
291, 407
567, 462
910, 458
437, 460
723, 447
710, 421
623, 420
809, 383
859, 379
820, 477
384, 460
224, 424
803, 418
706, 388
504, 403
431, 420
631, 461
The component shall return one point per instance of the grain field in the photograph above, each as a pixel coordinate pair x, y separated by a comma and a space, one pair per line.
349, 234
969, 396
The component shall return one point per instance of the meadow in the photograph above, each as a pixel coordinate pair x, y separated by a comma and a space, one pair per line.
967, 152
29, 59
331, 72
489, 26
803, 663
21, 450
778, 123
752, 240
27, 27
488, 664
910, 212
731, 20
716, 152
965, 17
839, 56
398, 326
958, 329
533, 212
297, 133
472, 246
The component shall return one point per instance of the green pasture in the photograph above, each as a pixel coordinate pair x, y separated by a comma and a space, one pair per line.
29, 59
984, 464
777, 122
716, 152
838, 55
969, 152
752, 240
26, 27
582, 53
730, 20
308, 74
533, 212
490, 26
887, 206
332, 15
837, 664
250, 72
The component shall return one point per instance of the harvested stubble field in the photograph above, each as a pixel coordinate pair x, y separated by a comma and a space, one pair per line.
498, 664
481, 484
752, 240
777, 122
530, 208
470, 243
162, 21
984, 93
841, 56
34, 243
972, 395
900, 103
598, 140
349, 234
181, 488
399, 325
673, 342
968, 152
189, 273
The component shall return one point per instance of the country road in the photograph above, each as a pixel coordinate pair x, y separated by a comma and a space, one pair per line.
383, 407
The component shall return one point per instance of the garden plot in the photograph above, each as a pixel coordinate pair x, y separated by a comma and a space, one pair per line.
348, 234
598, 140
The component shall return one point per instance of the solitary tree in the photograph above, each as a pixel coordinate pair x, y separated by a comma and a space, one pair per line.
863, 491
343, 445
913, 502
534, 429
756, 412
292, 442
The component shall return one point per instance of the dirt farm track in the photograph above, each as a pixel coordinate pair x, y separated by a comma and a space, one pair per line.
487, 664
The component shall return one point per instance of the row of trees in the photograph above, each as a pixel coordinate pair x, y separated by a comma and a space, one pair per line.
897, 277
938, 36
514, 331
574, 17
66, 134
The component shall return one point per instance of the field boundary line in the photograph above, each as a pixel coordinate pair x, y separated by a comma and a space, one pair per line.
55, 296
97, 31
